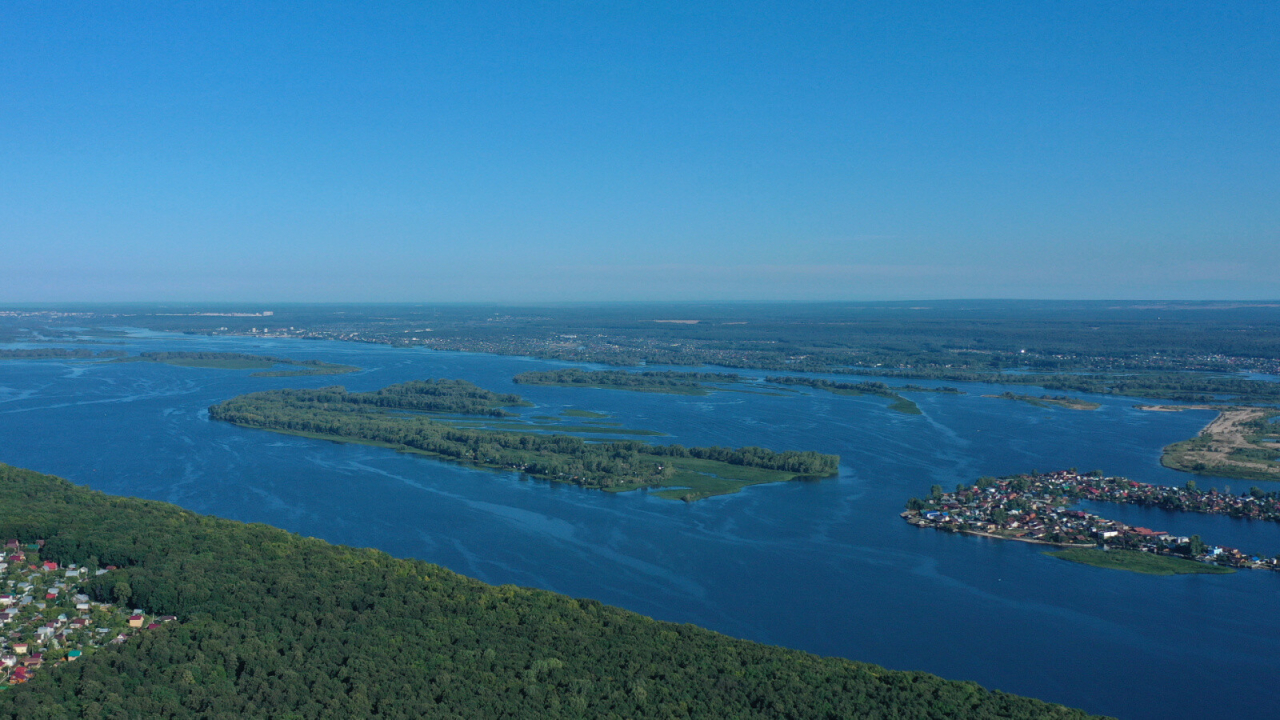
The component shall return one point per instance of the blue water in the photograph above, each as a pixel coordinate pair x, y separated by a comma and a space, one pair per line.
826, 567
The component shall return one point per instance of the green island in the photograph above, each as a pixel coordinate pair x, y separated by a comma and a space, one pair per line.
1037, 508
1137, 561
1061, 401
1241, 442
572, 412
55, 353
400, 417
276, 625
651, 381
242, 361
900, 404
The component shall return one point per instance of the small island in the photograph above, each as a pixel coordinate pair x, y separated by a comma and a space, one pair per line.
900, 404
56, 353
1241, 442
1036, 508
242, 361
650, 381
454, 420
1045, 401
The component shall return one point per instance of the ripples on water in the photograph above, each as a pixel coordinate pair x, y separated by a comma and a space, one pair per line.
825, 566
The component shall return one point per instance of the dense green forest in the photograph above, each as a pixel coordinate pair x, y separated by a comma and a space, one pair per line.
661, 381
438, 396
271, 624
380, 417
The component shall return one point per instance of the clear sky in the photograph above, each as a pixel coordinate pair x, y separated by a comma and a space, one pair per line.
524, 151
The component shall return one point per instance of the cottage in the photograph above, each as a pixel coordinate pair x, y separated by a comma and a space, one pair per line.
135, 621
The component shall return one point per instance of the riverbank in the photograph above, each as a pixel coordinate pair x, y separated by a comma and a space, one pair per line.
1238, 443
1037, 508
1139, 562
1045, 401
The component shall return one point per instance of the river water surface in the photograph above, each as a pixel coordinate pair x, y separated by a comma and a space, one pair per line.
825, 566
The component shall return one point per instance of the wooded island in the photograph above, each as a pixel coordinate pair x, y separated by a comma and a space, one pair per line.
414, 417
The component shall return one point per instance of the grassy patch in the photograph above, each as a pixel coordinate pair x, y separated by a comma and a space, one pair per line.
699, 479
574, 412
1139, 562
905, 406
1046, 401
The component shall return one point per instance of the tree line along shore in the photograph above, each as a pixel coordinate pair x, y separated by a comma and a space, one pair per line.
278, 625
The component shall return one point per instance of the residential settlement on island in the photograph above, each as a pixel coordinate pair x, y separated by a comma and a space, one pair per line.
46, 618
1037, 508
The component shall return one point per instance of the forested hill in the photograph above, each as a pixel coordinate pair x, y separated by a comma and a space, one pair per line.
272, 624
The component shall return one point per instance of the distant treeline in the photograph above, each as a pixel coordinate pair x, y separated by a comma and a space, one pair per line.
862, 388
58, 354
1189, 387
243, 361
275, 625
167, 356
648, 379
334, 413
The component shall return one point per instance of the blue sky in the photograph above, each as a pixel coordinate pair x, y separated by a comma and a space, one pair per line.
633, 151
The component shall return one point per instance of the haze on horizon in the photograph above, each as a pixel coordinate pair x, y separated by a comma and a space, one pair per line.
638, 151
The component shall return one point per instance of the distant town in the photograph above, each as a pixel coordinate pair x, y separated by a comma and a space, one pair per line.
1037, 508
46, 618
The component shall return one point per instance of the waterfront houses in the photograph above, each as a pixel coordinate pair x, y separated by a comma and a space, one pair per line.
1038, 508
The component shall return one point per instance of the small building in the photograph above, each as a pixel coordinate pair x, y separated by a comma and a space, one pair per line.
135, 621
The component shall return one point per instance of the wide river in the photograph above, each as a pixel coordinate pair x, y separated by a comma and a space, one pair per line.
826, 567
